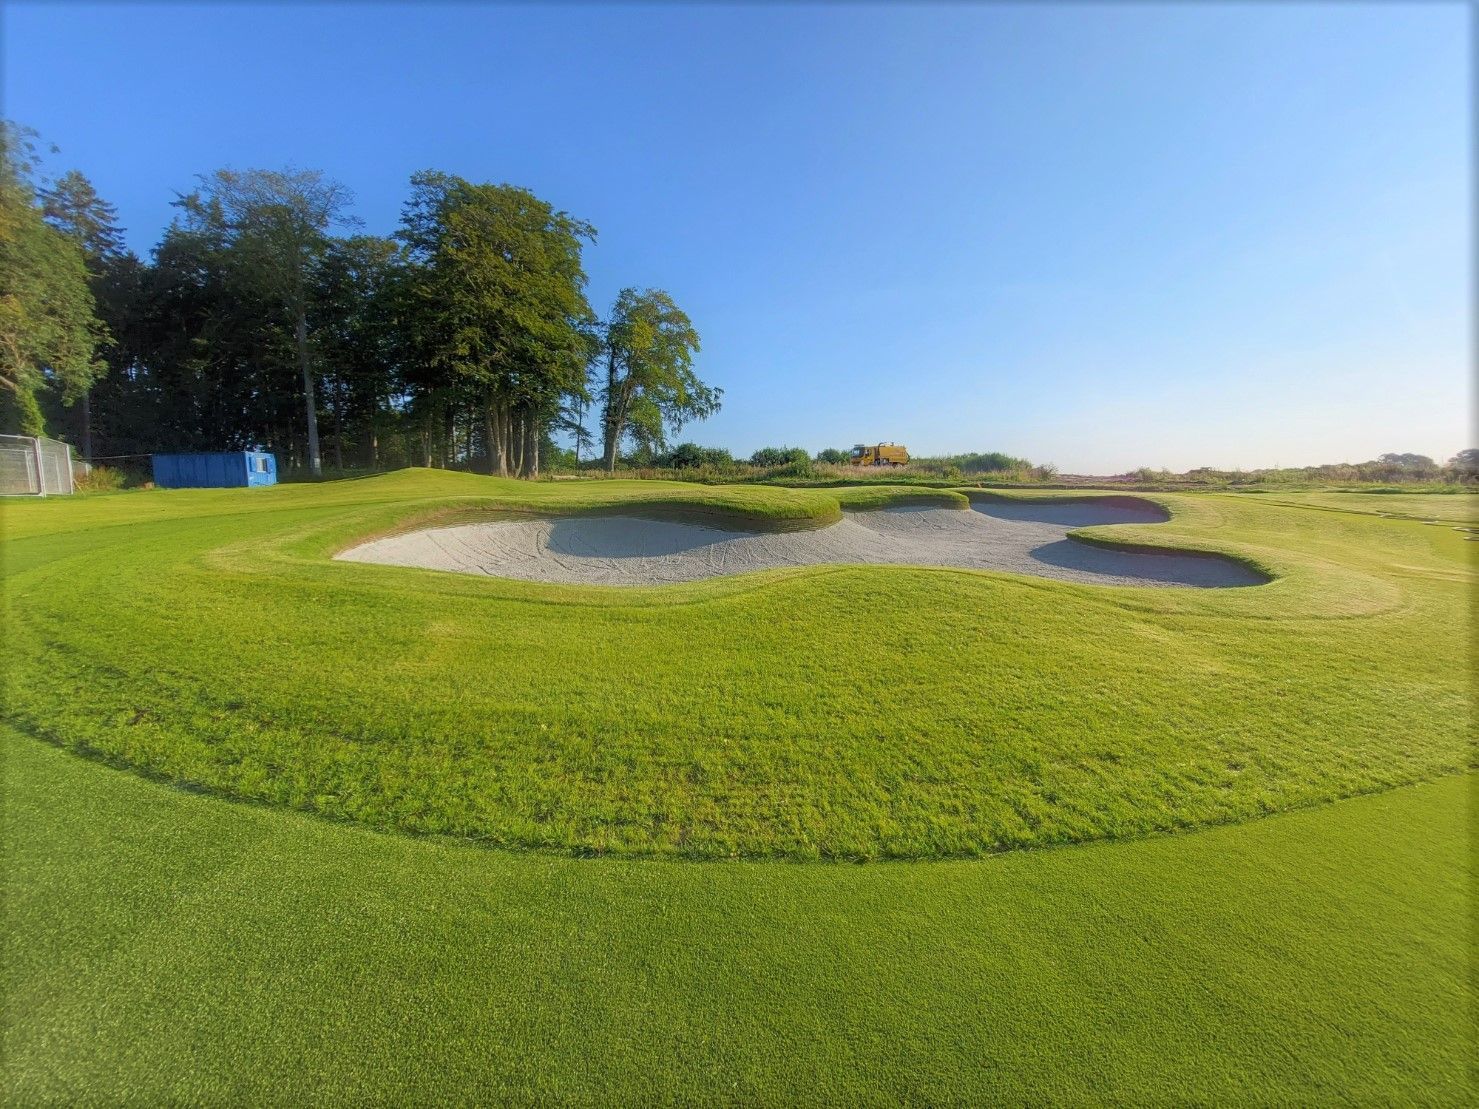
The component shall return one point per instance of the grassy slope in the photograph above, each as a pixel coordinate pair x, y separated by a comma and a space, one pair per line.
162, 946
872, 711
1452, 508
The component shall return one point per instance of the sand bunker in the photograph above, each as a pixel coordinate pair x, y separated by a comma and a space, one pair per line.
636, 550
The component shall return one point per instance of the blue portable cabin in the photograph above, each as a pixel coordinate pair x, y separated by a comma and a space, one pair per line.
219, 470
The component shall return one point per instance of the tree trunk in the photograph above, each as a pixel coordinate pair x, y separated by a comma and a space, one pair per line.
87, 426
339, 426
490, 426
610, 423
300, 333
495, 426
579, 431
531, 447
616, 418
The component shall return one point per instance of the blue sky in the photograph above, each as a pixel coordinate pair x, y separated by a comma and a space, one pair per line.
1099, 235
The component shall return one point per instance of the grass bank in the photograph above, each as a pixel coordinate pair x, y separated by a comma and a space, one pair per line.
205, 638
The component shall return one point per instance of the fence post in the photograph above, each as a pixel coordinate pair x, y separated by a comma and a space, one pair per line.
71, 477
40, 466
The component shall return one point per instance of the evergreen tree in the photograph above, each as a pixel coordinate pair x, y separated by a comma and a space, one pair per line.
73, 207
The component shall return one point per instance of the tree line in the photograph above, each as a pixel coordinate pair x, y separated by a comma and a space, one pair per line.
266, 318
1396, 468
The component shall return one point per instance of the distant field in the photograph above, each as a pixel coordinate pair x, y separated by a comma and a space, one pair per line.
206, 639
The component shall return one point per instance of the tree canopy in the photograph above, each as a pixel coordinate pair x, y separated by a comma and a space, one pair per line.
497, 288
650, 387
463, 339
49, 331
275, 226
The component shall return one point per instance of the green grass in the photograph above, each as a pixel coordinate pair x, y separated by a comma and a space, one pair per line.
165, 945
162, 947
1453, 508
862, 712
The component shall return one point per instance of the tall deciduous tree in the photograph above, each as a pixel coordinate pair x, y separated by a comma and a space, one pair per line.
649, 386
48, 329
498, 297
278, 223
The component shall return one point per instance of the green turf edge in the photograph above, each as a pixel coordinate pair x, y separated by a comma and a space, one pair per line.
163, 946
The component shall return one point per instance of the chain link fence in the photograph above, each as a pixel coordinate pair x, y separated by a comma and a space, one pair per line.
34, 466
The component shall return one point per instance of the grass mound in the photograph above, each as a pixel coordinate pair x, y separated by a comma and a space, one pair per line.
205, 637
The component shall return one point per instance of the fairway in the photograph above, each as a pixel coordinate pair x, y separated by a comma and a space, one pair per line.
161, 946
631, 806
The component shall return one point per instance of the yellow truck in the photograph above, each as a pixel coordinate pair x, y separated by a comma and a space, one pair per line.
883, 454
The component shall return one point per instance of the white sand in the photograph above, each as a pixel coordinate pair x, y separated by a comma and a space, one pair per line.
632, 550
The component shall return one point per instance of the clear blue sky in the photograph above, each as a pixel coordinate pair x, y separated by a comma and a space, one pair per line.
1104, 236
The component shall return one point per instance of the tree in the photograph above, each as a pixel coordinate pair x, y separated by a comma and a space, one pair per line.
277, 227
216, 363
500, 315
571, 421
650, 387
73, 207
1420, 461
833, 455
691, 456
49, 332
355, 318
779, 456
1466, 461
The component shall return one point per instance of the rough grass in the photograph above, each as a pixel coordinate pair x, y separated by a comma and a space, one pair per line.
862, 712
166, 948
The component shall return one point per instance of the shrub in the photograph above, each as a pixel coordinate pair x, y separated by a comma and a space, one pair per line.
988, 462
780, 456
691, 456
100, 479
